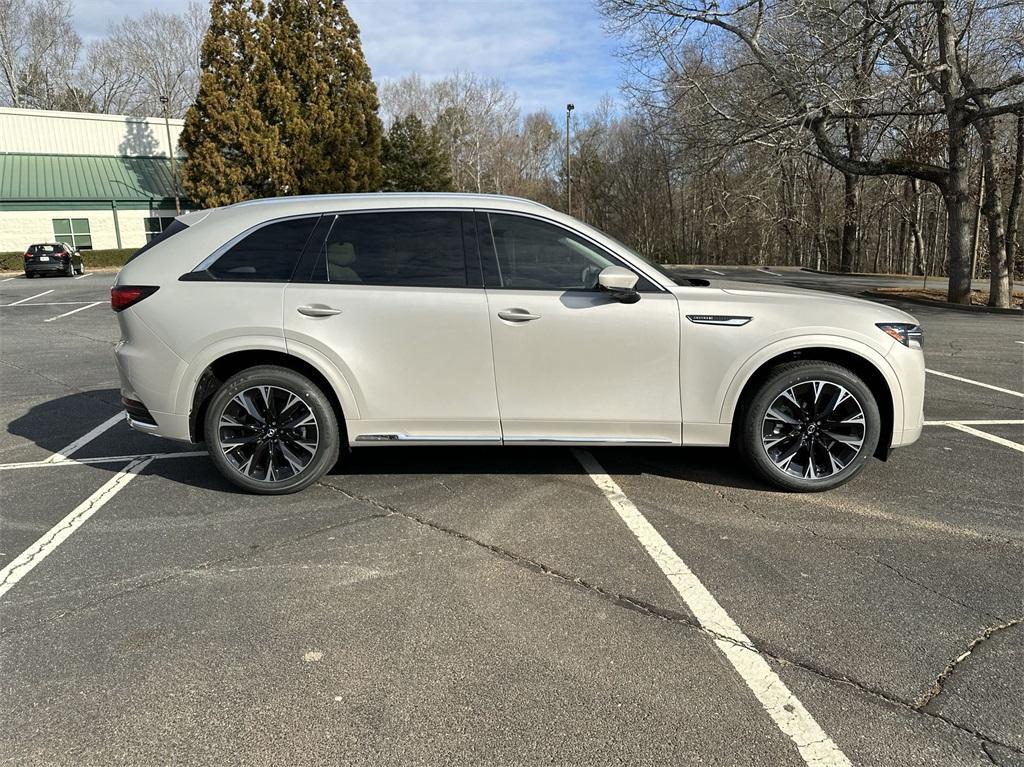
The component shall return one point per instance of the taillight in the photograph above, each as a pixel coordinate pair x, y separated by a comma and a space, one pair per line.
28, 256
123, 296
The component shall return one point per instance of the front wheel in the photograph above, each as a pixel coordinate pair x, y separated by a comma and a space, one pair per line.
271, 431
811, 426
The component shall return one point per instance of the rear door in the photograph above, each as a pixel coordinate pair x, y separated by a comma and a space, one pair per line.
572, 364
395, 300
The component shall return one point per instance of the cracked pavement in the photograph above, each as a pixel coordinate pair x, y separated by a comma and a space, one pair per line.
453, 605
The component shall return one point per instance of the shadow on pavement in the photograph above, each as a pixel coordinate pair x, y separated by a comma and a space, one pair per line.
53, 424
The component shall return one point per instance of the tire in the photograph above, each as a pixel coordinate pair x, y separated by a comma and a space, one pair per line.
789, 446
29, 275
81, 269
69, 271
270, 459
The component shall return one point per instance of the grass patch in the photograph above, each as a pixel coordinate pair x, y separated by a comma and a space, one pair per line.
978, 297
94, 259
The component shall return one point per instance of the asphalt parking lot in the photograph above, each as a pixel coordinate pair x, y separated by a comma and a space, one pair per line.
508, 606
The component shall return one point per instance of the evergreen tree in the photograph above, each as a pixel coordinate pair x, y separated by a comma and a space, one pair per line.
233, 152
323, 98
286, 105
415, 159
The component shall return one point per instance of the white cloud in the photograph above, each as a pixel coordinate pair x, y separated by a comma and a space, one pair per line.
548, 51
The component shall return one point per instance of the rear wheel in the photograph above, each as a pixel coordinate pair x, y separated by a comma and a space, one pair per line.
811, 426
271, 431
69, 269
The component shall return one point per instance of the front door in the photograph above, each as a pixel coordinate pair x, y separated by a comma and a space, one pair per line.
572, 364
389, 301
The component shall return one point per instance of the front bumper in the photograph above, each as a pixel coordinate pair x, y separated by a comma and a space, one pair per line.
910, 372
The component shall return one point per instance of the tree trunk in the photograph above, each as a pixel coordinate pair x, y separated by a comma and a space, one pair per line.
992, 209
1014, 208
959, 223
851, 208
917, 264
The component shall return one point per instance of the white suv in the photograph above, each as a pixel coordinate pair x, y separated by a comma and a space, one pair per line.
283, 332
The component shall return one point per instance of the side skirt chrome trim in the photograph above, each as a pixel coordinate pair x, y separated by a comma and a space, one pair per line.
426, 438
592, 440
489, 439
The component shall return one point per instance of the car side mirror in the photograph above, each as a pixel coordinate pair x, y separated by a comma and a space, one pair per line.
620, 284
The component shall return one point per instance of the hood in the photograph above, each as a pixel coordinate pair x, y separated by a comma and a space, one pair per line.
775, 293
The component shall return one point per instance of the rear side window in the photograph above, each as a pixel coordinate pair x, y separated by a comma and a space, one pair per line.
268, 254
169, 231
403, 248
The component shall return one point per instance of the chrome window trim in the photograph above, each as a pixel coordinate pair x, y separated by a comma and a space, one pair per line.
654, 278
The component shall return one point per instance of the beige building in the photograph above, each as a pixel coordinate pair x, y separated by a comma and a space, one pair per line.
94, 181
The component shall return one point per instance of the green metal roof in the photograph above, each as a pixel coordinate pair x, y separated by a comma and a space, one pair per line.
47, 177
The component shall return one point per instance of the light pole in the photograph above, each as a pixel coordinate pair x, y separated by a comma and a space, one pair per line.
568, 162
174, 160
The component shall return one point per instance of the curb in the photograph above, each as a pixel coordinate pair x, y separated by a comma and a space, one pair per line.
972, 309
105, 269
861, 274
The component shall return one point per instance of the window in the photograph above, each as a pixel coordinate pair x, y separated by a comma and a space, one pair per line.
74, 232
535, 255
414, 248
155, 225
268, 254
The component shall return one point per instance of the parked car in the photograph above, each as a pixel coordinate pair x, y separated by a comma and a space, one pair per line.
53, 258
283, 332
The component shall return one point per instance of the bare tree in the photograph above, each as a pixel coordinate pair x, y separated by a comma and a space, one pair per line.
39, 51
806, 94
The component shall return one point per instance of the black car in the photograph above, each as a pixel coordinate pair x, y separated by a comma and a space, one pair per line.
53, 258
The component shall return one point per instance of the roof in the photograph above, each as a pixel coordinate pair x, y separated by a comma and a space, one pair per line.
49, 177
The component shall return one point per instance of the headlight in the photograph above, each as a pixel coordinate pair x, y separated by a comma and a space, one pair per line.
907, 334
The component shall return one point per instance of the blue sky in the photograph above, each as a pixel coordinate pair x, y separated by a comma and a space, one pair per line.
548, 51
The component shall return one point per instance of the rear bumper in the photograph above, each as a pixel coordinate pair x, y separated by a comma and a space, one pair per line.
149, 371
47, 268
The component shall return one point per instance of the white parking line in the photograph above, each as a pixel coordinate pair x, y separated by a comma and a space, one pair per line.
83, 276
49, 462
782, 706
983, 422
80, 308
976, 383
25, 300
959, 426
49, 303
64, 453
8, 279
714, 272
773, 274
25, 562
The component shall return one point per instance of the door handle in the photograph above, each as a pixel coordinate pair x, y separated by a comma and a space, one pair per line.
517, 315
318, 310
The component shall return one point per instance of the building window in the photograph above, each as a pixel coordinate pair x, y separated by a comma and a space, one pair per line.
155, 226
73, 231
